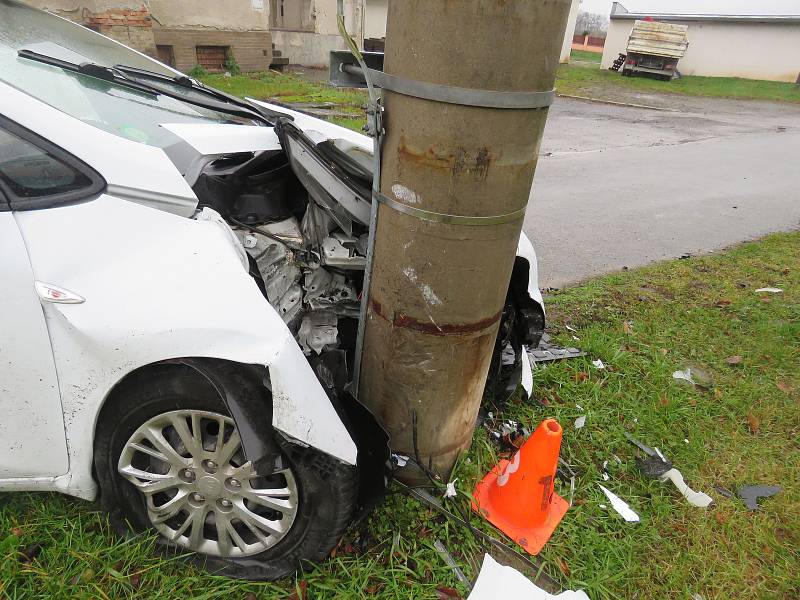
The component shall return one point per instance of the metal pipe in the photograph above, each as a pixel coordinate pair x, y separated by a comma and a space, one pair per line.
437, 289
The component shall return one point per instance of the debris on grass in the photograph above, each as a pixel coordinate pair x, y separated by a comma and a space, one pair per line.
496, 580
695, 376
547, 352
598, 364
751, 494
580, 422
685, 375
450, 490
769, 290
400, 460
619, 505
450, 562
657, 466
527, 373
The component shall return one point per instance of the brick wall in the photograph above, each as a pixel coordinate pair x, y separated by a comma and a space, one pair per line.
132, 27
251, 49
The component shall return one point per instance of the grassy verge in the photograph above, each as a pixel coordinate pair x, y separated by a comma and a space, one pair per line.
601, 83
288, 88
586, 56
347, 106
643, 324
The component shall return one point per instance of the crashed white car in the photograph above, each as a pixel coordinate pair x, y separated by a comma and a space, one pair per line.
181, 277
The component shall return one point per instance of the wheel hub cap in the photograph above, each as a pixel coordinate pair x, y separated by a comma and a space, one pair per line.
200, 492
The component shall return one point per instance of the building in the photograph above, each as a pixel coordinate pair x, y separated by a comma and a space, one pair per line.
722, 45
305, 31
182, 34
375, 26
566, 45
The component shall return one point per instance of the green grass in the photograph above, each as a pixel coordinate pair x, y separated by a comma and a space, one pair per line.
600, 83
571, 79
586, 56
744, 430
288, 88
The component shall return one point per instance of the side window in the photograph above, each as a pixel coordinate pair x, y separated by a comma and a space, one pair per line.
37, 174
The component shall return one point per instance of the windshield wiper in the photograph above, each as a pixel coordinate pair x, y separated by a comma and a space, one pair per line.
188, 83
132, 78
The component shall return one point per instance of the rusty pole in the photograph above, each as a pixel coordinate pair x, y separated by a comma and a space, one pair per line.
437, 286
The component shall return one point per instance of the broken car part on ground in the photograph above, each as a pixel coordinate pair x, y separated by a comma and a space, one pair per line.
184, 271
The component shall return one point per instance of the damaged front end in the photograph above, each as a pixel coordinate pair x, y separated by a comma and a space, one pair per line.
301, 207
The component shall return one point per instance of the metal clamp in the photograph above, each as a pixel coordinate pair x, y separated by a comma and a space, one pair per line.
459, 95
427, 215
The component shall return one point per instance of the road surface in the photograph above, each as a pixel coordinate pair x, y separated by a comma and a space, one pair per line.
618, 186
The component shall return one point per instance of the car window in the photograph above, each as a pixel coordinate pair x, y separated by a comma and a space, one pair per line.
118, 109
36, 174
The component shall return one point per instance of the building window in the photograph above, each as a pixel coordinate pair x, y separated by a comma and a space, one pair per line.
166, 54
212, 58
291, 15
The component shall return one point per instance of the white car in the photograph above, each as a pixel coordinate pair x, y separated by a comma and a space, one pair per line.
180, 274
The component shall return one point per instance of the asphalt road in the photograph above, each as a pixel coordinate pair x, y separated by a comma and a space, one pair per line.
620, 186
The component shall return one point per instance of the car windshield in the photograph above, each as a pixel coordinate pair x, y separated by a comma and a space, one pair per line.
113, 107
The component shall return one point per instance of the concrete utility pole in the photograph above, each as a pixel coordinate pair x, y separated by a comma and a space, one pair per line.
438, 283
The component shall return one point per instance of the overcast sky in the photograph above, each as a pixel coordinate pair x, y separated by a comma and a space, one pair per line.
729, 7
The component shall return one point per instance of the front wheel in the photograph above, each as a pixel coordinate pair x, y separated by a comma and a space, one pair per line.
169, 458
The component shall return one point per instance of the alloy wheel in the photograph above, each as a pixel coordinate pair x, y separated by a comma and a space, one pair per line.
200, 492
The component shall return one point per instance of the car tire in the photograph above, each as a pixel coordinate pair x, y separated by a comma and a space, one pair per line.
325, 489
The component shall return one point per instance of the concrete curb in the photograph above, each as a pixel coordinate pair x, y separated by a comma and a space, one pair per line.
615, 103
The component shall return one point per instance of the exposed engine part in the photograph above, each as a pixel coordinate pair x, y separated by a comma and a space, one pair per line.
318, 331
339, 250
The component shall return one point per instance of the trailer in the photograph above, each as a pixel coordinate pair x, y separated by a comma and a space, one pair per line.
655, 48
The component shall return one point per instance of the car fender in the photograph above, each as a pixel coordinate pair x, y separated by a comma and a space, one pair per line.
160, 287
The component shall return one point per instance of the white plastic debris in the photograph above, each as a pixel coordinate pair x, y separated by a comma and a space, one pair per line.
580, 422
619, 505
769, 290
527, 373
598, 364
686, 440
685, 375
579, 407
570, 328
450, 492
660, 455
576, 338
496, 580
606, 476
400, 459
603, 506
698, 499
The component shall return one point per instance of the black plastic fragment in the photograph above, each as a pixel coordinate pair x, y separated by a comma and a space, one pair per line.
751, 493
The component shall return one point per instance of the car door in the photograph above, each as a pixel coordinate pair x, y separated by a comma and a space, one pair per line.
33, 176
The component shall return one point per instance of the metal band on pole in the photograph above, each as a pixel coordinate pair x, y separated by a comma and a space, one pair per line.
459, 95
427, 215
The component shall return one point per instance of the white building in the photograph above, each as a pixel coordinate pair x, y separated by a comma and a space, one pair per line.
722, 45
375, 24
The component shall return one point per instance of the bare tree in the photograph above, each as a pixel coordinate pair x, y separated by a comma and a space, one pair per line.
591, 24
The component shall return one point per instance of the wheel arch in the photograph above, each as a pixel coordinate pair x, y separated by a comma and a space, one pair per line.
245, 390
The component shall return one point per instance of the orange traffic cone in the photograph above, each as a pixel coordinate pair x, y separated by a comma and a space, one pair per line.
517, 496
